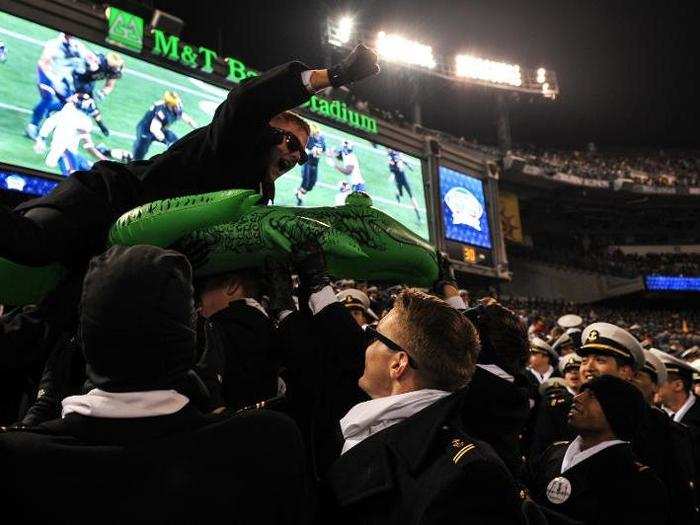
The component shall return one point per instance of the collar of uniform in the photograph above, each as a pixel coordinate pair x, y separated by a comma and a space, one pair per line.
574, 455
101, 430
678, 416
497, 371
541, 378
413, 438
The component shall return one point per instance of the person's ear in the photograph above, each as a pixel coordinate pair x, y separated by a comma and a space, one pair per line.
232, 287
627, 372
398, 365
678, 385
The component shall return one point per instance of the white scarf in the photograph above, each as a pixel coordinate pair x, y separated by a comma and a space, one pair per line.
541, 378
369, 417
98, 403
574, 455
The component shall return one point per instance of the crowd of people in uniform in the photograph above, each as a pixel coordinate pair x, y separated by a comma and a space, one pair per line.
264, 395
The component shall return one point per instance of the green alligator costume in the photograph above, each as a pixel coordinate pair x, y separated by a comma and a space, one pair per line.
358, 240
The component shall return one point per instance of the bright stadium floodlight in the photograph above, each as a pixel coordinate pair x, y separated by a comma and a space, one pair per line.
476, 68
541, 74
340, 32
396, 48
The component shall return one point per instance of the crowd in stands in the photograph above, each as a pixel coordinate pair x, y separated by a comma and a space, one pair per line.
659, 169
669, 330
611, 261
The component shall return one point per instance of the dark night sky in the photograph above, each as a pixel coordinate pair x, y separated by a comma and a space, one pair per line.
626, 70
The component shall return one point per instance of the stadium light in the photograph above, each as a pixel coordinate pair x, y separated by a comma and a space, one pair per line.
339, 33
476, 68
541, 73
399, 49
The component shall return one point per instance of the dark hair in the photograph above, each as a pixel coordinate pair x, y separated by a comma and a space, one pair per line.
503, 337
685, 379
440, 338
248, 278
290, 116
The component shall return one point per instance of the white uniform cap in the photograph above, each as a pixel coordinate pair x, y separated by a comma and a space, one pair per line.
696, 364
608, 339
552, 382
675, 365
569, 361
564, 339
541, 346
354, 298
655, 366
570, 321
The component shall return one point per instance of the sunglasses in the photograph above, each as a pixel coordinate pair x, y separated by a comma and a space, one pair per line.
373, 336
293, 144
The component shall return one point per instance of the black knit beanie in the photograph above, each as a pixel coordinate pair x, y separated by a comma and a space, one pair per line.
137, 319
622, 403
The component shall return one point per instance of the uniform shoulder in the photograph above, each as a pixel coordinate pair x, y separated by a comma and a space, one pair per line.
645, 479
464, 450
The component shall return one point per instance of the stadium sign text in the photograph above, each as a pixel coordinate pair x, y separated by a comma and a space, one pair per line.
204, 59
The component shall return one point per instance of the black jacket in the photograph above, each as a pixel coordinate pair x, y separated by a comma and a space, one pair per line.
239, 362
667, 448
495, 410
691, 420
551, 422
228, 153
609, 487
181, 468
324, 357
425, 470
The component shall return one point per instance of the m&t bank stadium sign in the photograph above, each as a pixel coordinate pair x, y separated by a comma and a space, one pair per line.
126, 30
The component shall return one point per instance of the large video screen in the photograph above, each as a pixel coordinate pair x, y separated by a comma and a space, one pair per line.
23, 183
340, 163
672, 283
464, 209
49, 124
66, 103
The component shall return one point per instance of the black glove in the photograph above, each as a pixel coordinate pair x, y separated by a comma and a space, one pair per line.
311, 266
57, 382
102, 127
446, 274
279, 287
359, 64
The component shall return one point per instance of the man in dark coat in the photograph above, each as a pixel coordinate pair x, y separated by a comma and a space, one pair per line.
135, 449
238, 365
607, 349
251, 141
495, 407
406, 457
595, 478
321, 349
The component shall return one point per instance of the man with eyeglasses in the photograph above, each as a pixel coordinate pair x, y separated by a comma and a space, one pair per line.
252, 140
405, 454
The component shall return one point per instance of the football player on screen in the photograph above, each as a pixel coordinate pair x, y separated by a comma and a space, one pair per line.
346, 163
97, 67
54, 70
71, 134
154, 124
397, 167
315, 147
